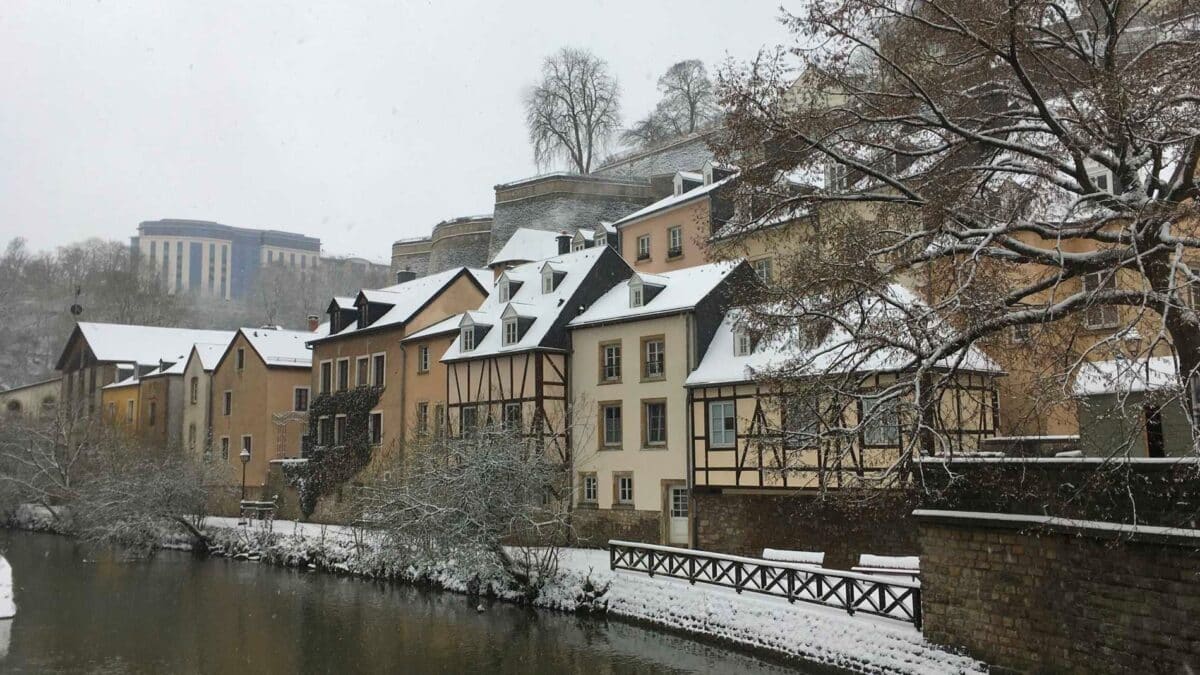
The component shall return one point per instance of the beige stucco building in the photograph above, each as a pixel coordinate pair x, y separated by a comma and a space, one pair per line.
36, 398
198, 399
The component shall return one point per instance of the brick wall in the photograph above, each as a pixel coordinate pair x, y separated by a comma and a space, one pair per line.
745, 524
1052, 600
594, 527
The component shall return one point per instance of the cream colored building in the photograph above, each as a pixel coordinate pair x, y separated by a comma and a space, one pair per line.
31, 399
632, 352
198, 401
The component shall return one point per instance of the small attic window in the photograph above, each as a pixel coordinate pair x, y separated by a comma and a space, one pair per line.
742, 345
467, 338
512, 331
502, 289
637, 293
551, 278
1102, 178
836, 177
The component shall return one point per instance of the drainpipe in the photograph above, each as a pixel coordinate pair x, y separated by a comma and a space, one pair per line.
403, 401
690, 447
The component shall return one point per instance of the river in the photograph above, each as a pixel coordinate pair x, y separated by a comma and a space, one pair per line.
83, 610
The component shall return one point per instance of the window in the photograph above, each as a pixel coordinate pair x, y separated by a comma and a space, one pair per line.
800, 422
1021, 333
762, 268
502, 290
623, 488
339, 429
422, 417
194, 389
362, 373
610, 418
468, 420
423, 359
192, 436
241, 358
637, 295
468, 338
643, 247
153, 413
1098, 315
439, 418
326, 377
674, 242
375, 428
511, 331
325, 431
836, 177
610, 362
225, 448
129, 411
512, 417
300, 399
547, 280
722, 424
590, 491
379, 370
343, 374
742, 345
654, 358
248, 444
227, 403
654, 423
881, 421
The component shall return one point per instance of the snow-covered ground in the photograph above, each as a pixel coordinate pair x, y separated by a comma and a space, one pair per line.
8, 609
814, 633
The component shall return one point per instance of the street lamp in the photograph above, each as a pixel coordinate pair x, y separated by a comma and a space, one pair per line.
245, 455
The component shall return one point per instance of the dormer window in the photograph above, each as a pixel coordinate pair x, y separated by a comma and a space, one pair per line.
551, 278
636, 297
836, 177
512, 332
742, 345
506, 288
363, 316
502, 290
580, 241
1102, 179
513, 326
467, 338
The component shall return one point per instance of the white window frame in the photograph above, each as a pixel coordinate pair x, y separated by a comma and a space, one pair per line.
605, 441
880, 430
502, 291
637, 295
422, 358
512, 331
837, 177
422, 417
1097, 317
613, 364
375, 428
547, 281
337, 435
622, 497
659, 346
227, 403
362, 370
379, 376
248, 447
591, 488
506, 422
321, 384
337, 374
723, 437
224, 448
643, 247
675, 240
764, 268
466, 339
742, 344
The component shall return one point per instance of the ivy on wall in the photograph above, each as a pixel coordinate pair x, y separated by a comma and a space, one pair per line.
329, 466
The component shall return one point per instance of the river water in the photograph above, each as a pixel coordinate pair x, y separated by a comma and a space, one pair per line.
83, 610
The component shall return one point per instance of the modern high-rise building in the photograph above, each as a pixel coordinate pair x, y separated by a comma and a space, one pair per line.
220, 261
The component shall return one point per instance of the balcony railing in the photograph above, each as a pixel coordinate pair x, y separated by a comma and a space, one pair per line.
887, 596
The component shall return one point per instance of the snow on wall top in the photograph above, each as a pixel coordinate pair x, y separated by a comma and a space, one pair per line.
529, 301
1125, 375
526, 245
681, 290
721, 364
144, 345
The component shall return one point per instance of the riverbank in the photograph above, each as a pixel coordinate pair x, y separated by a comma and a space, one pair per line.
585, 584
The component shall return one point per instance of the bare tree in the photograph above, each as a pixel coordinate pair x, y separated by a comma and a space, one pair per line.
467, 497
647, 132
688, 97
44, 459
1027, 166
574, 110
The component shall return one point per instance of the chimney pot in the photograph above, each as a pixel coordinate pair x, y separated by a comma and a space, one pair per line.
564, 242
313, 322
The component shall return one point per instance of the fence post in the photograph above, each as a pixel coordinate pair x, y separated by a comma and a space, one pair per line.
692, 570
737, 577
612, 556
791, 585
650, 561
916, 611
850, 584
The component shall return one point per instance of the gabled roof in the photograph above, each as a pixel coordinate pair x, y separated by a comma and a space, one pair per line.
721, 364
1126, 376
681, 290
544, 308
408, 298
526, 245
143, 345
130, 381
672, 201
277, 347
209, 353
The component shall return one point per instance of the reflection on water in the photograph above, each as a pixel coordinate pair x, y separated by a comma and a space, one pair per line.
87, 611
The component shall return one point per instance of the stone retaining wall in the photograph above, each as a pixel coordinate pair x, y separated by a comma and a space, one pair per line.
595, 527
1053, 599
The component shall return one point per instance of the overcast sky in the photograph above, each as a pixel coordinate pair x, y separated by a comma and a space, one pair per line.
357, 122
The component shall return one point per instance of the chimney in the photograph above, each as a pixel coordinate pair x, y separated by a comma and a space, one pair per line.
313, 322
405, 275
564, 242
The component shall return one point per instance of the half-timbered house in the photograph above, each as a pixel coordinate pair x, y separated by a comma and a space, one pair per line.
509, 364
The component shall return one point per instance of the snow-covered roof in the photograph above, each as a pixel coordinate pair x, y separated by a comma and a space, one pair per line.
681, 290
543, 308
408, 298
1125, 376
838, 352
526, 245
672, 201
342, 302
279, 347
447, 325
143, 345
606, 226
127, 382
210, 353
